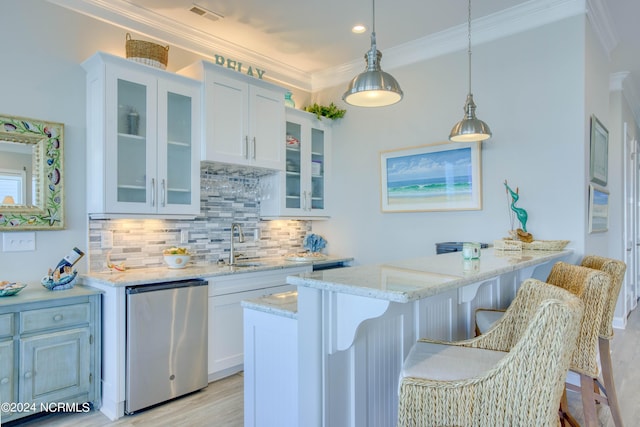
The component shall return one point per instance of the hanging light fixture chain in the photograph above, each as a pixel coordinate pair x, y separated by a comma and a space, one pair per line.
469, 43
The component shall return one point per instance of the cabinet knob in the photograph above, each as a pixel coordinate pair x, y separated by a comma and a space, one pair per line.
27, 374
5, 380
57, 317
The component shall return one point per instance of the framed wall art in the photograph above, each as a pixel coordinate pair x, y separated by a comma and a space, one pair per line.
598, 210
438, 177
599, 152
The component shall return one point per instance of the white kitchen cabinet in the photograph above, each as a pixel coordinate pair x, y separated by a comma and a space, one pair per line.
226, 349
301, 190
143, 131
243, 117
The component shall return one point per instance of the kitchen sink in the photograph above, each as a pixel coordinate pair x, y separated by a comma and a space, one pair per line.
247, 264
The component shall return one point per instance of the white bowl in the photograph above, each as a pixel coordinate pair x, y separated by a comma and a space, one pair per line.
177, 261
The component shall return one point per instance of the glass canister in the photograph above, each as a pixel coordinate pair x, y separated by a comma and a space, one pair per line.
470, 250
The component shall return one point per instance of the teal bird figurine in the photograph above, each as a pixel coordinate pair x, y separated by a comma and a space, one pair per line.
520, 213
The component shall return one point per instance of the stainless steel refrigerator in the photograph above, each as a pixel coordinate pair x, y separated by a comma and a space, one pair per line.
166, 354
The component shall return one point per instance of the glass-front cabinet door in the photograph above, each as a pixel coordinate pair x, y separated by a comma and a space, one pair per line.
130, 172
293, 166
317, 169
134, 168
302, 190
178, 149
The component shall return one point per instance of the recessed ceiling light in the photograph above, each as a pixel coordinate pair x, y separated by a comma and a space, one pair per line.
358, 29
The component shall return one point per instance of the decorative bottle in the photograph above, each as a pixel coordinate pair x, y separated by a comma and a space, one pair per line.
70, 259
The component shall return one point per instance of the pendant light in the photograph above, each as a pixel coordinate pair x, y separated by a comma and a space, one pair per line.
470, 128
373, 87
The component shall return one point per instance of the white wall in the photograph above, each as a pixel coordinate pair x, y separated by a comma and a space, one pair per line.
529, 88
41, 77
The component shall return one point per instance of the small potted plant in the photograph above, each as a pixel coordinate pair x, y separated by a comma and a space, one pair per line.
331, 112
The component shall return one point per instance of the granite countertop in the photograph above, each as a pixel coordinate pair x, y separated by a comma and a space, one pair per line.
282, 304
144, 276
417, 278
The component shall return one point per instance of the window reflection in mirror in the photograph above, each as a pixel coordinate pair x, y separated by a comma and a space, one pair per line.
31, 174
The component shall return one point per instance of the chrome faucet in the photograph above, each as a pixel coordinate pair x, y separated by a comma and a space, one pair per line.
232, 254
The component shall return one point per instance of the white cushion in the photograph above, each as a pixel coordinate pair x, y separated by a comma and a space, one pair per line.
448, 362
486, 318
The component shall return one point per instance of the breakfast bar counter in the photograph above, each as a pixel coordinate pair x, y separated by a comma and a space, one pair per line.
354, 327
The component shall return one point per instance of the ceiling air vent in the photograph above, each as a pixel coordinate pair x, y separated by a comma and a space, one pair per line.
206, 13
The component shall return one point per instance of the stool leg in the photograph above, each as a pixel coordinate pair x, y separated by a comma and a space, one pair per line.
588, 401
607, 376
565, 416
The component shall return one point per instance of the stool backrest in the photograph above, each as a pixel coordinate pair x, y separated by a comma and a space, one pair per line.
592, 287
616, 269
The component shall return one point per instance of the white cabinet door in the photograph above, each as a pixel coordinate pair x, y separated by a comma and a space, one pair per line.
143, 129
226, 347
227, 125
225, 313
244, 117
301, 191
266, 128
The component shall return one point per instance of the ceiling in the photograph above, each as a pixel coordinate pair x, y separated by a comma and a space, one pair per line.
310, 44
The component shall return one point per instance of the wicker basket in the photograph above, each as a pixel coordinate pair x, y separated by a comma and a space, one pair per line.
147, 53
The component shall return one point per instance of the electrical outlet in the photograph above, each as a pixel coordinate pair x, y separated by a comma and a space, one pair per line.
184, 236
106, 239
19, 242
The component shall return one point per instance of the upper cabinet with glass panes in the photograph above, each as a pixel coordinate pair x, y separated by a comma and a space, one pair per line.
143, 128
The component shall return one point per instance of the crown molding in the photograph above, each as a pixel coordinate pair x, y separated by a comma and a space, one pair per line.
513, 20
601, 22
153, 25
622, 82
528, 15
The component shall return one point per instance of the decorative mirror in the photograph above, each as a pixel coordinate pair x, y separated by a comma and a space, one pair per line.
31, 174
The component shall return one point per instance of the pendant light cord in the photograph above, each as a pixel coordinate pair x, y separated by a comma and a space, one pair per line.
469, 41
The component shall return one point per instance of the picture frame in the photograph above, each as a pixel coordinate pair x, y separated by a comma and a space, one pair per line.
599, 152
598, 209
436, 177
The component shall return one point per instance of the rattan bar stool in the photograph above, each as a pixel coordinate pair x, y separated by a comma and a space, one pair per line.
511, 376
594, 288
599, 392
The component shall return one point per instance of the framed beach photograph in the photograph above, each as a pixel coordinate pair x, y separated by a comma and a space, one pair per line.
437, 177
598, 210
599, 152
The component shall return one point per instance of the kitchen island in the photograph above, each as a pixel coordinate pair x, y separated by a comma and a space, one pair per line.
354, 327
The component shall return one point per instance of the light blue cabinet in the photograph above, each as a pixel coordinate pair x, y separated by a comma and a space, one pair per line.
50, 350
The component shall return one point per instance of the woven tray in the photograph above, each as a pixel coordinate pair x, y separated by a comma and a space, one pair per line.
507, 245
147, 53
545, 245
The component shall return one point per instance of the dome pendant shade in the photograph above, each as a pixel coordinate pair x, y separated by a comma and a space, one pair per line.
470, 128
373, 87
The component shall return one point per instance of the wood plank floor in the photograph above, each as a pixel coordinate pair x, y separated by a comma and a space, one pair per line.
221, 403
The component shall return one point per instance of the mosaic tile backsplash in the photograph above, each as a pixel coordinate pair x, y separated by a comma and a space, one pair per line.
226, 197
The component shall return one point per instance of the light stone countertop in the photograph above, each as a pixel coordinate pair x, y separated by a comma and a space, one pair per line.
417, 278
282, 304
147, 276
